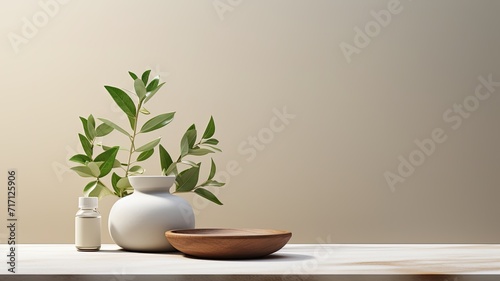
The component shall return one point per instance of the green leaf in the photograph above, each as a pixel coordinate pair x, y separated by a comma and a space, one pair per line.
189, 163
210, 130
87, 147
104, 147
91, 121
165, 159
80, 158
131, 121
108, 157
191, 137
140, 89
199, 151
117, 164
211, 141
157, 122
100, 190
123, 183
89, 187
136, 170
145, 77
91, 127
184, 147
133, 75
149, 95
154, 83
94, 168
213, 170
114, 126
144, 111
103, 157
187, 180
114, 180
212, 147
83, 171
207, 195
127, 192
145, 155
171, 170
213, 183
188, 140
122, 100
103, 130
85, 127
149, 145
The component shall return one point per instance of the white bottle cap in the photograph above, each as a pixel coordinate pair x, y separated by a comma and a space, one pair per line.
87, 202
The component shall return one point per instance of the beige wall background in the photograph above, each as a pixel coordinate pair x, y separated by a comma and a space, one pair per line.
323, 175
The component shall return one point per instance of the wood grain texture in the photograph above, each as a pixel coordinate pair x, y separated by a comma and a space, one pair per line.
228, 243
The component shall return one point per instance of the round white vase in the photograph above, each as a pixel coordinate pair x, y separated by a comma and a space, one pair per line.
139, 221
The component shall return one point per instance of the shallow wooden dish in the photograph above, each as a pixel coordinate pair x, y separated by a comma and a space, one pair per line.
220, 243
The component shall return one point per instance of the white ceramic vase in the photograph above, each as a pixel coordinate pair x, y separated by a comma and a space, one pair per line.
139, 221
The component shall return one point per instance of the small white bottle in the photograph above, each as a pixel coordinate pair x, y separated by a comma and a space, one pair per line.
88, 225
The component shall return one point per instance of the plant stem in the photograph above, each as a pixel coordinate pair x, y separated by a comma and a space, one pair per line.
132, 139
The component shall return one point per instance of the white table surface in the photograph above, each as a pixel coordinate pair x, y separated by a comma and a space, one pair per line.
294, 260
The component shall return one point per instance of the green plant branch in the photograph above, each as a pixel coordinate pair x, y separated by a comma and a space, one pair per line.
132, 139
98, 167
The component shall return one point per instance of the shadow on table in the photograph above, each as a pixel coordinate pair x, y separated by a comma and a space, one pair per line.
121, 251
271, 258
278, 257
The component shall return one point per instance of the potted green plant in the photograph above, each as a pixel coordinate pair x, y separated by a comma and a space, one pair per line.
146, 209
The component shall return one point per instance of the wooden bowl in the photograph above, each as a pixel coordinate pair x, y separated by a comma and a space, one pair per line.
216, 243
